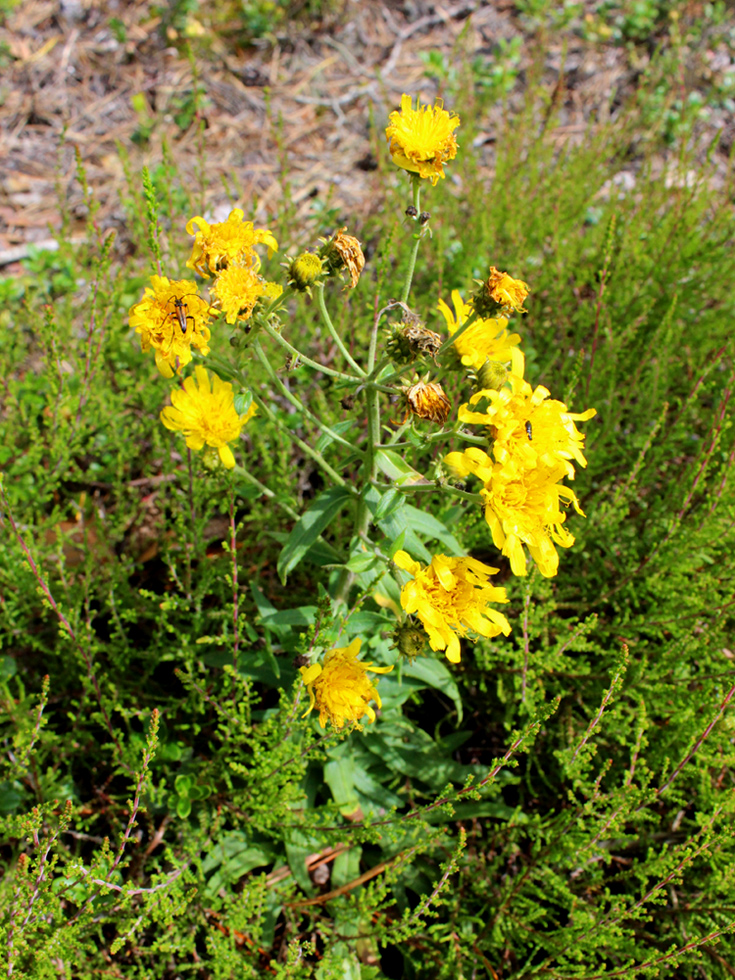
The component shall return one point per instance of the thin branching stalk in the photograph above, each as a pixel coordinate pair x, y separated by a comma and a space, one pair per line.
319, 289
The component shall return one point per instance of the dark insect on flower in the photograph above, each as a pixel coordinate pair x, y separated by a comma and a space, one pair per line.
529, 430
181, 313
301, 660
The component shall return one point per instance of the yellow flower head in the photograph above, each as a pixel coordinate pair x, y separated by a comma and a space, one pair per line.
422, 139
450, 596
206, 414
506, 291
305, 271
426, 400
340, 689
521, 510
343, 252
226, 243
171, 318
484, 340
528, 427
237, 289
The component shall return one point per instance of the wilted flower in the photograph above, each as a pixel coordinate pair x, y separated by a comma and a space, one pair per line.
172, 318
237, 289
483, 340
426, 400
339, 687
412, 340
343, 252
450, 597
421, 140
226, 243
501, 290
206, 414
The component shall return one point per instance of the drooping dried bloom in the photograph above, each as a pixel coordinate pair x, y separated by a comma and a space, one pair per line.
450, 597
426, 400
412, 339
172, 318
529, 428
206, 414
483, 340
421, 140
340, 689
237, 289
226, 243
521, 509
343, 252
508, 293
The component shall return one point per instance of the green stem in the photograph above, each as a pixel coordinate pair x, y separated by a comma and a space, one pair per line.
272, 332
475, 498
303, 446
333, 331
296, 403
417, 241
266, 491
458, 333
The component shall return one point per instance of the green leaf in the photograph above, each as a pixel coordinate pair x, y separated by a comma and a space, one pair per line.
435, 673
8, 667
361, 562
394, 466
308, 528
183, 806
234, 854
339, 775
390, 501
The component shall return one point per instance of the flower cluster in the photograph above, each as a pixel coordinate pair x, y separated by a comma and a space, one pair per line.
172, 319
340, 689
534, 445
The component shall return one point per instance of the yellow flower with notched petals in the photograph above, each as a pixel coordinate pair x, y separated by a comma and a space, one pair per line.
529, 428
340, 689
484, 340
237, 289
521, 509
169, 329
421, 140
226, 243
206, 414
450, 596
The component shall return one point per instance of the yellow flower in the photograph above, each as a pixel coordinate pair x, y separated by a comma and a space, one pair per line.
426, 400
237, 289
339, 687
306, 270
484, 340
506, 291
450, 596
171, 318
422, 139
528, 427
343, 252
226, 243
206, 414
524, 509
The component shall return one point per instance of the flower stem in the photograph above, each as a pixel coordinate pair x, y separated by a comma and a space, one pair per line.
416, 242
272, 332
458, 333
333, 331
296, 403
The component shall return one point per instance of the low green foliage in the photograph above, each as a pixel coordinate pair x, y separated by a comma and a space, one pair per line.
558, 804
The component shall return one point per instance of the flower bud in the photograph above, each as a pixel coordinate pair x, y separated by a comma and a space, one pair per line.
305, 270
410, 640
491, 376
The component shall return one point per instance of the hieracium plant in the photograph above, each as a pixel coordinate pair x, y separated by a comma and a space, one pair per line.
510, 448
